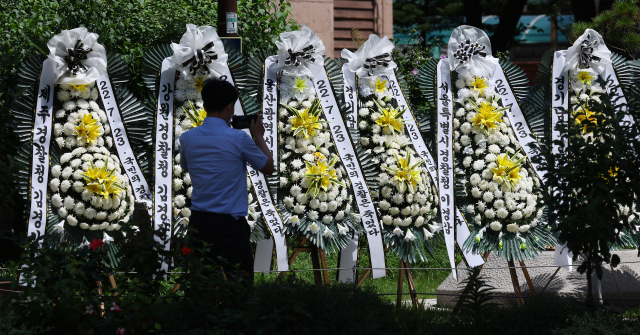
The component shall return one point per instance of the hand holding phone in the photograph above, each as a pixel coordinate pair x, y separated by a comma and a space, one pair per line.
243, 121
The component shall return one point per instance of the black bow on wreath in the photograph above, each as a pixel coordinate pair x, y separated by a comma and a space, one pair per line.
294, 57
466, 50
201, 59
75, 55
371, 64
586, 51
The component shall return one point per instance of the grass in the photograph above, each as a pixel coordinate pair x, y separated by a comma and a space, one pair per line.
426, 281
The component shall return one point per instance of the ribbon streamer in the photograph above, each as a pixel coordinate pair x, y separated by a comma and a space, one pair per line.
203, 57
299, 49
75, 56
588, 52
468, 48
78, 57
200, 52
373, 58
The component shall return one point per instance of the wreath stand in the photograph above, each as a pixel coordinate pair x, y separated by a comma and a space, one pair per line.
514, 281
317, 262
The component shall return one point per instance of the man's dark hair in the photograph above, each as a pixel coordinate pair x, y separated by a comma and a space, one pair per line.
217, 94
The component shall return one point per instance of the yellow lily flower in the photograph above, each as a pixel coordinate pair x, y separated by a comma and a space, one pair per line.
81, 87
199, 83
381, 86
306, 122
300, 84
586, 118
88, 129
197, 116
508, 170
407, 175
102, 181
391, 119
487, 116
479, 84
585, 77
321, 174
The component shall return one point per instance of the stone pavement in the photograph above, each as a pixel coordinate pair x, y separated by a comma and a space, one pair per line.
565, 284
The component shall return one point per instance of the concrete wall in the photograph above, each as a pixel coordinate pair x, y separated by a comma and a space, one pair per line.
317, 15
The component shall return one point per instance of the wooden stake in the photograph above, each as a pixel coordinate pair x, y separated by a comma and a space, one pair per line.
400, 282
412, 285
316, 265
529, 282
363, 277
100, 294
514, 281
324, 266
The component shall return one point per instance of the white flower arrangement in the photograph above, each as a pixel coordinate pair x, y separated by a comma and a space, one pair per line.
405, 198
89, 189
314, 188
503, 192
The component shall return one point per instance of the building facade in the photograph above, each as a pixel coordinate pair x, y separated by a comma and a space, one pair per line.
332, 20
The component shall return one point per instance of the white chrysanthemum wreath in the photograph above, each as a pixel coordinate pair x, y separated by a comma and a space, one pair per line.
406, 199
314, 187
89, 189
503, 192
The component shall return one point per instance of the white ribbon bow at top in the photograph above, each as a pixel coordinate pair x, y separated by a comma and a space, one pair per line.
78, 56
470, 52
373, 58
297, 50
200, 52
589, 52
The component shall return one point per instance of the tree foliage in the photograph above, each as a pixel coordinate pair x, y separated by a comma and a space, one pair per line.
618, 27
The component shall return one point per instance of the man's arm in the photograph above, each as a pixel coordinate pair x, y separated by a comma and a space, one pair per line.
257, 130
183, 158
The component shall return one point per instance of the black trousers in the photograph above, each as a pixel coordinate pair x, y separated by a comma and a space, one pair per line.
227, 238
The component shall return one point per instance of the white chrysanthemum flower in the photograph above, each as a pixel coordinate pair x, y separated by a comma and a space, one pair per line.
186, 212
495, 226
478, 165
327, 219
487, 196
517, 215
298, 208
512, 228
502, 213
394, 210
387, 219
475, 192
490, 213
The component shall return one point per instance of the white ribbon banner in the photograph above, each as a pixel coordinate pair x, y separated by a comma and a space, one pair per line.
127, 157
618, 100
519, 123
264, 249
350, 96
163, 174
269, 210
349, 255
444, 137
559, 112
462, 231
41, 142
370, 220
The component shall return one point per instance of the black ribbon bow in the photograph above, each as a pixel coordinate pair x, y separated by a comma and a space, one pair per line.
466, 50
586, 51
201, 59
294, 57
75, 55
372, 64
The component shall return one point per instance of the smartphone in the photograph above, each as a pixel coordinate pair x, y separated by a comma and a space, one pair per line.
242, 121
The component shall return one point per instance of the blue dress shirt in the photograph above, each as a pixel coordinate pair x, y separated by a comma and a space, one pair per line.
216, 157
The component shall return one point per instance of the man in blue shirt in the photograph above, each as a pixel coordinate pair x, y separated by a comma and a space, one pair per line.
216, 157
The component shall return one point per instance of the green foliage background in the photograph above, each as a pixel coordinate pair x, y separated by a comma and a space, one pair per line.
129, 27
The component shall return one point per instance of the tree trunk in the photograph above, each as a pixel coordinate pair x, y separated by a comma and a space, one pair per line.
583, 10
473, 13
501, 39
